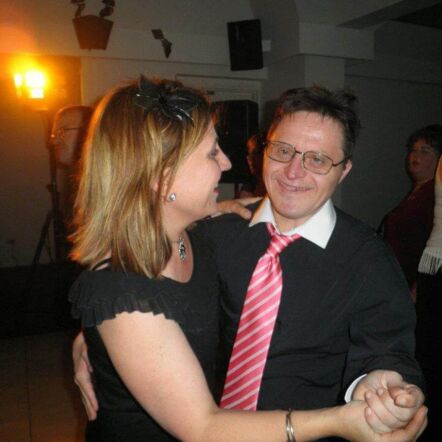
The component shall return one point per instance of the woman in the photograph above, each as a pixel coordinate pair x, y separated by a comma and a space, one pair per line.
408, 226
148, 305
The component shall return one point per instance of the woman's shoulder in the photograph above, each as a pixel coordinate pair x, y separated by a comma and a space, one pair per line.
99, 295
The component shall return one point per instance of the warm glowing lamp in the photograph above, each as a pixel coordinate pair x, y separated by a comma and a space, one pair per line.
30, 84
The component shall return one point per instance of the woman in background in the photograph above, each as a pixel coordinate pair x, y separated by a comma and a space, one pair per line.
407, 227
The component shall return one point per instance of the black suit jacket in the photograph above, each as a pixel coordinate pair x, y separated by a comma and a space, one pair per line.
345, 311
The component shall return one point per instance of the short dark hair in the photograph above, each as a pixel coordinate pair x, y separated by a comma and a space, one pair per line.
338, 105
256, 143
431, 134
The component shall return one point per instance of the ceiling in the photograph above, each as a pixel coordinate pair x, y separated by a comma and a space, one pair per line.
430, 17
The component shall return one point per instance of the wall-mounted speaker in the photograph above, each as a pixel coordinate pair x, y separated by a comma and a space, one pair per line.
92, 31
245, 45
237, 121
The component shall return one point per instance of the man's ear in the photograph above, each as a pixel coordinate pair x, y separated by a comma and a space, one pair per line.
347, 167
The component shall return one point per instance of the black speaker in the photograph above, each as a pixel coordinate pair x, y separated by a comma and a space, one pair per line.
237, 121
92, 31
245, 45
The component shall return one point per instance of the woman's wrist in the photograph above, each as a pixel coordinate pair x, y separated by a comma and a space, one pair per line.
316, 424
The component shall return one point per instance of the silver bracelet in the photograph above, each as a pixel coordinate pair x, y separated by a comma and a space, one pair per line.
289, 426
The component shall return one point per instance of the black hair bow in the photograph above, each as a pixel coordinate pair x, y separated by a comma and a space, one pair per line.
174, 102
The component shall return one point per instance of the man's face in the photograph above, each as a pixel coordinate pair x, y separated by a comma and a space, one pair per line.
66, 137
297, 194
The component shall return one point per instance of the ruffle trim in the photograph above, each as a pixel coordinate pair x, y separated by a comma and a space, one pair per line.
431, 261
93, 309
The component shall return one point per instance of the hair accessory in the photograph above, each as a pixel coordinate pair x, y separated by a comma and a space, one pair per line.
289, 427
182, 253
172, 197
171, 99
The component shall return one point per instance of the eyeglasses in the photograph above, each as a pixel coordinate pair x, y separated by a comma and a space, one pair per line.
60, 133
311, 160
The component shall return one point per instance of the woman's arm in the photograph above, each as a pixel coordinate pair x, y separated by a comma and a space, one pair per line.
155, 361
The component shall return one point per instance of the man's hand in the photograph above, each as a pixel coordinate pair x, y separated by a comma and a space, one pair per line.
237, 206
82, 376
392, 402
353, 425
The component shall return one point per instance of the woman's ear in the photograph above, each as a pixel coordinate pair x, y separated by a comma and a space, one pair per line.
161, 184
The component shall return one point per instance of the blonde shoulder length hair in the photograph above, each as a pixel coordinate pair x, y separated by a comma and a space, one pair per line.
128, 163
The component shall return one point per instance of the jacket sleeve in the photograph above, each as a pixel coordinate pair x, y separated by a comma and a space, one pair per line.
382, 326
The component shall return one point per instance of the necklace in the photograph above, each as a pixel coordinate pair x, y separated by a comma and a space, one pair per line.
181, 248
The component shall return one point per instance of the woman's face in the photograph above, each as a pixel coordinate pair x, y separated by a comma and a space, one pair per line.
196, 181
422, 161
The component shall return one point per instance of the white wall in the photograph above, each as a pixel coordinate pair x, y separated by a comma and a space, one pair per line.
399, 89
390, 111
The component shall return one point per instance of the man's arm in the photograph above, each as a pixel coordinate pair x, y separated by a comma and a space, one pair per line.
238, 206
382, 343
83, 376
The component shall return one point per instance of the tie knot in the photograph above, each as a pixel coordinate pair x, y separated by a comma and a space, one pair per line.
279, 242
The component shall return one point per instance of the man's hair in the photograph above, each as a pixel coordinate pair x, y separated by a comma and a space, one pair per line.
256, 144
337, 105
129, 161
431, 134
85, 113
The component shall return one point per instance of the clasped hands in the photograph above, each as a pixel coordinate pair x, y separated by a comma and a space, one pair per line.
392, 403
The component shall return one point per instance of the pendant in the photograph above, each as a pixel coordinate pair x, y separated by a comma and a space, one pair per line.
182, 249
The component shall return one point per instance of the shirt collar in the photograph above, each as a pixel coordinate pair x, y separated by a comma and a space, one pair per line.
317, 229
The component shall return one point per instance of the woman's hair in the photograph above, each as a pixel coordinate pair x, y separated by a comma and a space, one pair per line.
431, 134
139, 135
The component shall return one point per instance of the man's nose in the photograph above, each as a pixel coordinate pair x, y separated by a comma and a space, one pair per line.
294, 168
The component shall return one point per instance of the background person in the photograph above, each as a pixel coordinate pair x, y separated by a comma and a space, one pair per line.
68, 132
407, 227
255, 152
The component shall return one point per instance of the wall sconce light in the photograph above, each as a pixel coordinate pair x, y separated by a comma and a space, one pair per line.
30, 86
93, 31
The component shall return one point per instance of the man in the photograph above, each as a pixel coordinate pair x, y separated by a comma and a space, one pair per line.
345, 311
68, 131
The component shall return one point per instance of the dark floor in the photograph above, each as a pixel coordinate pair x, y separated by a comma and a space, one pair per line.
38, 399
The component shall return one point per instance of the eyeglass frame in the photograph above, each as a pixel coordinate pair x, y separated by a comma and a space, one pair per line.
60, 132
295, 151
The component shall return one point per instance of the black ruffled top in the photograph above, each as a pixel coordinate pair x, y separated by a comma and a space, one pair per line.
100, 295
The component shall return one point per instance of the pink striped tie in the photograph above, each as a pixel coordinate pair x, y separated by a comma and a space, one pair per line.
258, 316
